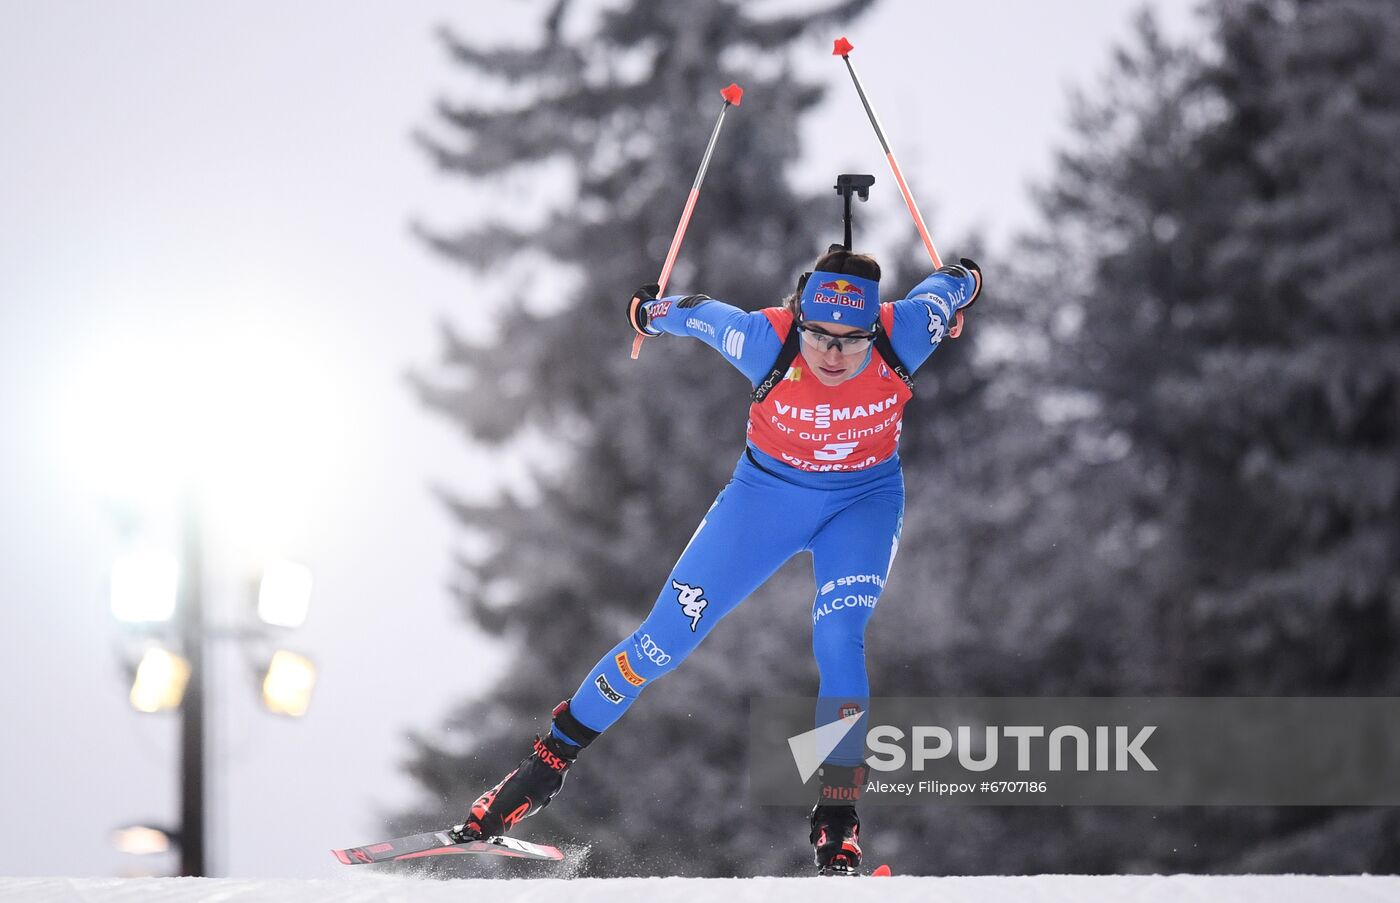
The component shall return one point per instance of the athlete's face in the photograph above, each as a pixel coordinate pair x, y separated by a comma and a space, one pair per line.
834, 362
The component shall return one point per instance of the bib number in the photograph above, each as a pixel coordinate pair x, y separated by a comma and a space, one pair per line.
835, 451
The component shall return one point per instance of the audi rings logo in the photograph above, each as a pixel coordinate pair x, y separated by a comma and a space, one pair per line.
653, 651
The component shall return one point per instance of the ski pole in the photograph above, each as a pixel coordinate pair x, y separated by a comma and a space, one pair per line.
732, 95
843, 49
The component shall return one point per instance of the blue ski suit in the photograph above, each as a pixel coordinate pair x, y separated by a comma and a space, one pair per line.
848, 519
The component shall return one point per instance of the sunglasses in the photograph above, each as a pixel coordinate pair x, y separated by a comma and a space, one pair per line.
853, 343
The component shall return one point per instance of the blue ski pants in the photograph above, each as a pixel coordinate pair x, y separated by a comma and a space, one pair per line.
767, 513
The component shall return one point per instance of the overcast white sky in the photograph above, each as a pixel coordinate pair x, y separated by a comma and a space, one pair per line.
173, 175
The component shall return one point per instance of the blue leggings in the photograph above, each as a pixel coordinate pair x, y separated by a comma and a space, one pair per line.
850, 522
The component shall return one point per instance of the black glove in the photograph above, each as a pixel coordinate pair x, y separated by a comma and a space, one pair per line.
637, 316
965, 267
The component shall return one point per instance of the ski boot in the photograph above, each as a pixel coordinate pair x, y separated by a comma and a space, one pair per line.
835, 832
531, 786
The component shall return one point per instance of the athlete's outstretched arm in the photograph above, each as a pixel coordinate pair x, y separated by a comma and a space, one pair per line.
922, 318
746, 340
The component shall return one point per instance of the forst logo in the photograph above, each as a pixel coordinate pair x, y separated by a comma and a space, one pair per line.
840, 292
606, 689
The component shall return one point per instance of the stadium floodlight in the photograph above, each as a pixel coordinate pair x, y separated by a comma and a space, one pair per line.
160, 681
284, 594
144, 586
143, 840
287, 685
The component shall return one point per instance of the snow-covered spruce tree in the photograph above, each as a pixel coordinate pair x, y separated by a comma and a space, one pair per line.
1287, 494
1237, 346
1021, 571
1193, 490
1290, 485
621, 102
1241, 338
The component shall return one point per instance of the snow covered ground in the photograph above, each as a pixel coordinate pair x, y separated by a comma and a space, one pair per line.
373, 887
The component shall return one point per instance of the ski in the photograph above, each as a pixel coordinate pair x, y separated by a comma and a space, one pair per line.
881, 871
443, 843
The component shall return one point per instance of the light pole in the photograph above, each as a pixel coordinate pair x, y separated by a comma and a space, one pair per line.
193, 731
154, 589
209, 446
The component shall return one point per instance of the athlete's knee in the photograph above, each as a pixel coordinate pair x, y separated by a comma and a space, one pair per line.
839, 618
838, 647
654, 656
643, 658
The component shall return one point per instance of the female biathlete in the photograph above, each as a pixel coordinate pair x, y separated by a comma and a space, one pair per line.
820, 473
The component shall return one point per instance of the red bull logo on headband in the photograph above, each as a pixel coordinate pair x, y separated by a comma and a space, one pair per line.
833, 297
841, 292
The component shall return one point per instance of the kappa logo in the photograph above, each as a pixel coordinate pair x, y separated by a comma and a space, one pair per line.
654, 652
733, 343
939, 313
624, 666
606, 689
692, 602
